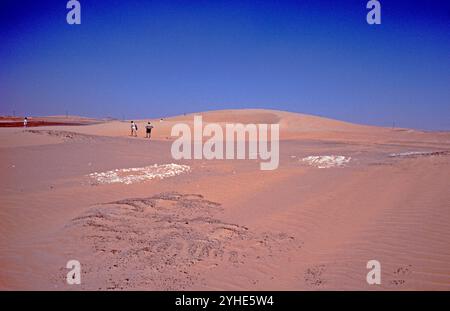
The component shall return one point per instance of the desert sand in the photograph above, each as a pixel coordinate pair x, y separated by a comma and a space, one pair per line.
135, 218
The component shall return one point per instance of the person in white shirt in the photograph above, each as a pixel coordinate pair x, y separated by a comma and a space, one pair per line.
134, 129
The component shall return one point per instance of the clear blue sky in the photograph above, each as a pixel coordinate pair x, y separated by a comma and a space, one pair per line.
149, 59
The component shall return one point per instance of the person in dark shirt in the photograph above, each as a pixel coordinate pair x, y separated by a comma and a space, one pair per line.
148, 130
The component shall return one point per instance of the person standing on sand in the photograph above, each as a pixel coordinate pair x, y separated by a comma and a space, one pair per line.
133, 129
148, 130
25, 122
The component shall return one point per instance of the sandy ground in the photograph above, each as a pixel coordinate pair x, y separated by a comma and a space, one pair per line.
343, 194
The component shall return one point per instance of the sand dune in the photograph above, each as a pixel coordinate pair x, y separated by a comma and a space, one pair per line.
292, 126
364, 193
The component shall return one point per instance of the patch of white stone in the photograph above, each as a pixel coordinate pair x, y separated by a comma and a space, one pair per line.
133, 175
326, 161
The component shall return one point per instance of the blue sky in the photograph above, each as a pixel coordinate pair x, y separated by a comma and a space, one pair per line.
149, 59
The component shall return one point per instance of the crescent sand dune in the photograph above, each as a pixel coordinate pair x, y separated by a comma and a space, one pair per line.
135, 218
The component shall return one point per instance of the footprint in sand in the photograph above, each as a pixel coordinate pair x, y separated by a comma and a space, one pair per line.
400, 275
314, 276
